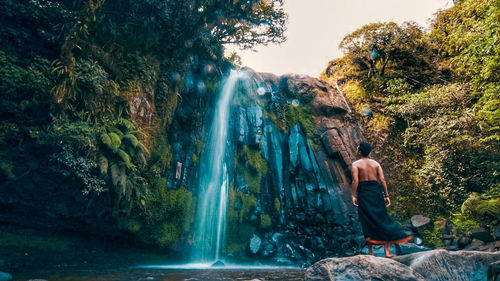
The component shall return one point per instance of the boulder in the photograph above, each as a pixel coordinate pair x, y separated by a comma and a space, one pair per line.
255, 243
482, 234
418, 221
218, 263
474, 245
360, 267
444, 265
494, 271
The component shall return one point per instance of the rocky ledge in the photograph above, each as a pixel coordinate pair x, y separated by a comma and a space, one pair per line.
430, 265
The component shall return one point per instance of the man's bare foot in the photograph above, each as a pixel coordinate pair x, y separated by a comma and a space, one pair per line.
388, 253
370, 250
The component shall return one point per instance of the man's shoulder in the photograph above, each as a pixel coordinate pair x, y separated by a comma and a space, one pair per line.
361, 161
356, 163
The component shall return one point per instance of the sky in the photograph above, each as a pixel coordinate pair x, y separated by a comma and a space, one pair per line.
316, 27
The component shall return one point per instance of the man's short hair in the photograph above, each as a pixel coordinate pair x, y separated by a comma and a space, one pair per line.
365, 149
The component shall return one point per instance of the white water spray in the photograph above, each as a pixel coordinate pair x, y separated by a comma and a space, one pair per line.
209, 237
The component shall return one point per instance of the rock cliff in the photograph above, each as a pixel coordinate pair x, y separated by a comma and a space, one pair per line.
293, 140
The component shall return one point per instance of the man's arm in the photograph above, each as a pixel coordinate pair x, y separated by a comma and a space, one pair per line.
380, 175
355, 173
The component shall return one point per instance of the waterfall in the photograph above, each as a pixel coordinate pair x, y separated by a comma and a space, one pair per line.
209, 236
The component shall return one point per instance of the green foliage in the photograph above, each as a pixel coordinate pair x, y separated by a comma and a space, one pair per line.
72, 90
285, 116
252, 167
239, 230
168, 213
300, 114
132, 225
482, 208
380, 122
265, 221
34, 240
463, 223
435, 103
434, 238
254, 158
277, 205
147, 25
354, 91
196, 155
167, 234
401, 51
397, 87
82, 168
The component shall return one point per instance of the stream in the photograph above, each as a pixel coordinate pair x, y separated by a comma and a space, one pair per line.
139, 274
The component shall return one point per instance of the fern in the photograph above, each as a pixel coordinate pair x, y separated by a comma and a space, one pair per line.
115, 174
103, 165
122, 183
124, 125
468, 207
131, 139
115, 140
115, 130
106, 140
126, 158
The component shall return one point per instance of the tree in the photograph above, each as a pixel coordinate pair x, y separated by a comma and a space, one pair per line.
167, 24
383, 51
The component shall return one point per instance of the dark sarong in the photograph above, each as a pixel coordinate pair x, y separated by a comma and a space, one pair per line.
378, 226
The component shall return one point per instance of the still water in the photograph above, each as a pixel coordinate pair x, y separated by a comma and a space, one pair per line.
140, 274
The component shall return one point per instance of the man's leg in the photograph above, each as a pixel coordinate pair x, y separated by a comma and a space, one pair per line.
388, 253
370, 249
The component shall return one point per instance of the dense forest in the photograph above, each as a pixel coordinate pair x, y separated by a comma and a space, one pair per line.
430, 103
88, 95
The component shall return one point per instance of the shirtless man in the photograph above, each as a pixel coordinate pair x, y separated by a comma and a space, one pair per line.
366, 169
363, 170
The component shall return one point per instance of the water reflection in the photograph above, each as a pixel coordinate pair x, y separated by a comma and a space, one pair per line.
137, 274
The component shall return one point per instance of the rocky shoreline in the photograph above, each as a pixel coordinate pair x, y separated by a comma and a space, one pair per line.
436, 264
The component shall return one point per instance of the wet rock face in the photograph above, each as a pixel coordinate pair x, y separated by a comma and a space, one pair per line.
307, 174
304, 191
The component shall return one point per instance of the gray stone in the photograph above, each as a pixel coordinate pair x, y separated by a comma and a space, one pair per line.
474, 246
418, 221
464, 242
255, 243
482, 234
444, 265
494, 271
218, 264
360, 267
488, 247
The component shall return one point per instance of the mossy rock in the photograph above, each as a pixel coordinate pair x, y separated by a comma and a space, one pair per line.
252, 167
167, 234
265, 221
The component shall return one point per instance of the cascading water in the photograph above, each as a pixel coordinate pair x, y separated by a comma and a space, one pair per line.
210, 228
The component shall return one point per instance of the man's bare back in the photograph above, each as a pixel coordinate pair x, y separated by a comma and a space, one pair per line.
366, 169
